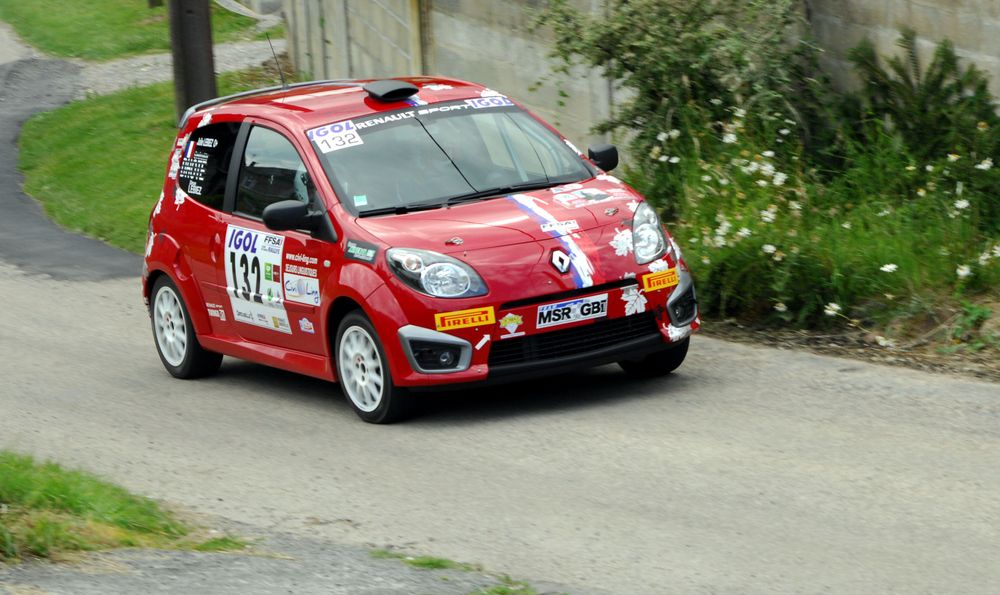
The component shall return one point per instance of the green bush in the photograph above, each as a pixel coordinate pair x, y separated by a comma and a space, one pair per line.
795, 204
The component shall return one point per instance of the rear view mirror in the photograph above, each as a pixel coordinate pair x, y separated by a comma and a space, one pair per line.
288, 214
604, 155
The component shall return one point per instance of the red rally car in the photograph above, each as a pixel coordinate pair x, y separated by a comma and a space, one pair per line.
404, 233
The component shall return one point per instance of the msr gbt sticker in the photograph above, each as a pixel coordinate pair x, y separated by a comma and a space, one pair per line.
336, 136
586, 308
253, 278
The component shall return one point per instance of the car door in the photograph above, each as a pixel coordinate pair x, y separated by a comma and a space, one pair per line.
203, 163
273, 279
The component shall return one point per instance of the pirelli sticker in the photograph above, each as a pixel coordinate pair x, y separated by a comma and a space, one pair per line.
660, 280
447, 321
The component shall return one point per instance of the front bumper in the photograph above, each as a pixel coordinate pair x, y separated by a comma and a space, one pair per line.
514, 342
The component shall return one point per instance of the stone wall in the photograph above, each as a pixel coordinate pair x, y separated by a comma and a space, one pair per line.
972, 25
482, 41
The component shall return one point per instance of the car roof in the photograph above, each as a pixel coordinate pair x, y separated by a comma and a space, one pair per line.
312, 104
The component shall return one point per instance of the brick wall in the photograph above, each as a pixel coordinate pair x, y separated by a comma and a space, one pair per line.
972, 25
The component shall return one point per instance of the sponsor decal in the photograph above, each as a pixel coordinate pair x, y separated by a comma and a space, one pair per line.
660, 280
301, 290
300, 270
658, 265
361, 200
194, 188
581, 197
189, 150
438, 87
205, 120
677, 333
179, 198
362, 251
491, 101
216, 311
561, 226
414, 101
609, 178
308, 260
336, 136
447, 321
635, 302
208, 142
580, 266
253, 277
510, 322
306, 326
575, 310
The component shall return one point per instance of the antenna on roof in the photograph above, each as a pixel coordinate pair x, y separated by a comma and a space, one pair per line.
284, 85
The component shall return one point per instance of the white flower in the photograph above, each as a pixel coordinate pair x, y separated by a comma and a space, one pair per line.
784, 132
929, 167
768, 153
961, 204
884, 212
911, 167
781, 307
846, 224
706, 178
662, 158
985, 164
996, 251
744, 232
739, 113
952, 157
959, 188
715, 101
767, 169
661, 136
883, 342
762, 183
984, 258
729, 138
675, 159
792, 204
693, 241
706, 260
768, 248
674, 134
831, 309
889, 268
963, 271
779, 179
767, 216
789, 122
921, 192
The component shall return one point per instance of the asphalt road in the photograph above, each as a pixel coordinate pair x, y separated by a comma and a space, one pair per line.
749, 470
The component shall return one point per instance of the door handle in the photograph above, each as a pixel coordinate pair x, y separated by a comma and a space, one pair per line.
213, 246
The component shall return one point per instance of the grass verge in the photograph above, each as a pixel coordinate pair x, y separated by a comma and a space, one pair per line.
505, 585
97, 165
114, 29
46, 510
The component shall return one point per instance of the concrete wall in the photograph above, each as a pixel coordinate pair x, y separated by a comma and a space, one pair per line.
972, 25
478, 40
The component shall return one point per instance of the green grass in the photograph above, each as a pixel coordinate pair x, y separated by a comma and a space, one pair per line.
97, 165
108, 28
425, 562
46, 510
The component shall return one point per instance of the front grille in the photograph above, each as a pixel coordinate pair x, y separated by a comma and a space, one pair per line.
574, 341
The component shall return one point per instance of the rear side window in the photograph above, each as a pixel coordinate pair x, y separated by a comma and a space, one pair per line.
205, 163
271, 171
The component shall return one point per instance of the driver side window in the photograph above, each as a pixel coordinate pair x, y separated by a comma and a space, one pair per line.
271, 171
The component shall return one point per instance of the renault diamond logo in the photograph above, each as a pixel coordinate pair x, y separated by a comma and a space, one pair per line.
560, 260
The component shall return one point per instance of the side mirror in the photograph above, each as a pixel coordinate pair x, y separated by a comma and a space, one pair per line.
289, 214
605, 156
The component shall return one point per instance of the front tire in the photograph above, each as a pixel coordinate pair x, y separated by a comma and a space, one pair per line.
657, 364
173, 333
363, 372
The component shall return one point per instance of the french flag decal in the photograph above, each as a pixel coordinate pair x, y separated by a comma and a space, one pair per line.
189, 149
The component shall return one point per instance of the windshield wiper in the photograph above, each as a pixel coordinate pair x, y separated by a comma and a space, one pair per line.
499, 191
401, 209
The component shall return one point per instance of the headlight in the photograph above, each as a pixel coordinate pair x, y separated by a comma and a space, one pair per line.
435, 274
648, 242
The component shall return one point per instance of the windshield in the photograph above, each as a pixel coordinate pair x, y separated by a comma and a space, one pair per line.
430, 156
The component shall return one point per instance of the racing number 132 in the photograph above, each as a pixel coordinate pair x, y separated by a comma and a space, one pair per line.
249, 267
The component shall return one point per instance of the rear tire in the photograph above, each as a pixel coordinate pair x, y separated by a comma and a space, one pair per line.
363, 372
176, 343
657, 364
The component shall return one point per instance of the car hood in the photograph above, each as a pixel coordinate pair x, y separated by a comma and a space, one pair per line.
584, 207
